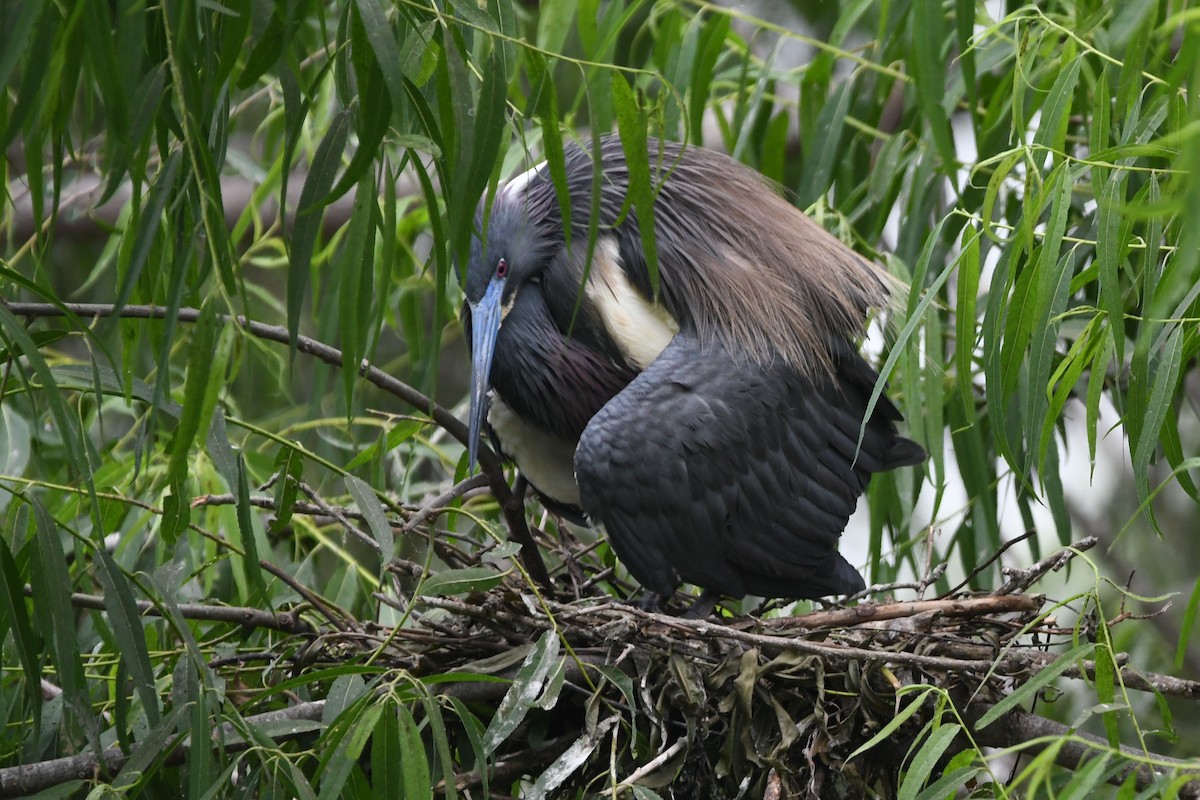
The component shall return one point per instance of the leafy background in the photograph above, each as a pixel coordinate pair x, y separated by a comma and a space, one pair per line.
1027, 169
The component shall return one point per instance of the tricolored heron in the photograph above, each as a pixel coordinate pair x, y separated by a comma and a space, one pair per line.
713, 431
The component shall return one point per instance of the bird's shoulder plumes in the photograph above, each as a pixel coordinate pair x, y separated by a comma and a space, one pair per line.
737, 262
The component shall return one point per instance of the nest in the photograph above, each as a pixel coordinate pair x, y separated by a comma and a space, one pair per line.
600, 694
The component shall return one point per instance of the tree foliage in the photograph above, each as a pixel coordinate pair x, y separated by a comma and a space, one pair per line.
235, 514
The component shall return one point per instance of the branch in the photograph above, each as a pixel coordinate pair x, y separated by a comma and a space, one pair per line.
1021, 579
875, 612
287, 621
489, 462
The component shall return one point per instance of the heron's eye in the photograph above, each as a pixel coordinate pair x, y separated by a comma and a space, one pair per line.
502, 269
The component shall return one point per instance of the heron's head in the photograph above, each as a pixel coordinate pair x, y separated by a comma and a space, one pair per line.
512, 249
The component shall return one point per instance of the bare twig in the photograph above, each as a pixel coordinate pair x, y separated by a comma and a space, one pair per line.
285, 621
872, 612
340, 619
932, 576
268, 504
436, 505
1021, 579
1025, 660
981, 567
342, 519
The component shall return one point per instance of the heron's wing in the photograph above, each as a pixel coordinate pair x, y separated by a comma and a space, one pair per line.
713, 470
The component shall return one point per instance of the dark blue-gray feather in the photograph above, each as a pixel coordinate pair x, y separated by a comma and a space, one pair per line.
735, 477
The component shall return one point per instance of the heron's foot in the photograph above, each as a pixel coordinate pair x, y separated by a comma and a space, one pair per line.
653, 602
702, 607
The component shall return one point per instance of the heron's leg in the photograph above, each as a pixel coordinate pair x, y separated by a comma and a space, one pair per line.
703, 605
652, 601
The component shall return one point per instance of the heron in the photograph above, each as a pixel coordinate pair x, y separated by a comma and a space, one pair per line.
715, 425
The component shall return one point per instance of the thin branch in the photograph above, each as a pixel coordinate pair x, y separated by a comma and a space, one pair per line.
874, 612
981, 567
286, 621
340, 619
1021, 579
436, 505
269, 504
342, 520
489, 462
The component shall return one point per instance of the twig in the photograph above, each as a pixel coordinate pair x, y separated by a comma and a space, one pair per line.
437, 504
342, 520
489, 462
286, 621
269, 504
871, 612
1021, 579
886, 588
655, 763
338, 618
1016, 661
981, 567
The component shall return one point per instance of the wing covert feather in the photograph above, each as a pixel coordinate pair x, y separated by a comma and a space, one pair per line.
739, 478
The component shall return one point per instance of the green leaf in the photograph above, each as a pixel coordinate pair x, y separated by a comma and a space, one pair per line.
372, 510
288, 471
356, 290
397, 435
344, 757
475, 731
461, 581
1035, 684
965, 321
28, 643
127, 628
710, 47
51, 584
198, 386
251, 567
383, 43
895, 722
523, 693
1165, 377
414, 763
819, 168
929, 74
1056, 113
957, 774
1185, 629
631, 122
554, 20
313, 198
926, 759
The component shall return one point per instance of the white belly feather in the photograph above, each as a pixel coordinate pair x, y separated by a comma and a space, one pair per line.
547, 461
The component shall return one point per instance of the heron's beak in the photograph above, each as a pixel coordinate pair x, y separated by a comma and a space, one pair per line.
485, 325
